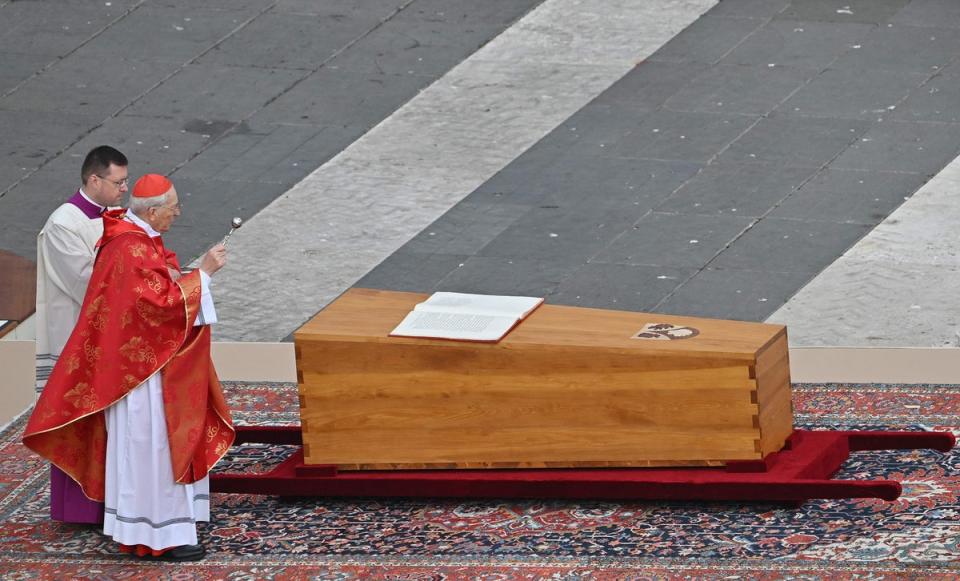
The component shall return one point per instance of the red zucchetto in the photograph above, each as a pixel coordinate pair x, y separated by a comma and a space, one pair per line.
151, 185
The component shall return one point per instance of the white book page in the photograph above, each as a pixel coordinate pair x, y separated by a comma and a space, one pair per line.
493, 305
466, 326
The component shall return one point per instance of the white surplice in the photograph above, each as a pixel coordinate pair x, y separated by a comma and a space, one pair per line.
143, 503
65, 251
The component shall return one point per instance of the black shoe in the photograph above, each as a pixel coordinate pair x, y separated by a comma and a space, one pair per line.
183, 553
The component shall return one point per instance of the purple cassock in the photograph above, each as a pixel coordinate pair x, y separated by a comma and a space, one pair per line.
68, 503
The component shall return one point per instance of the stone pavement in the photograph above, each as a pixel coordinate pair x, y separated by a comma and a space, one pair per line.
896, 287
717, 177
598, 153
238, 100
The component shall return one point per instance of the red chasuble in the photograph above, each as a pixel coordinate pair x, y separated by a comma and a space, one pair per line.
135, 320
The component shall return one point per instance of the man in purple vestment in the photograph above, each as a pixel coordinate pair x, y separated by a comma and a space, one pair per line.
65, 252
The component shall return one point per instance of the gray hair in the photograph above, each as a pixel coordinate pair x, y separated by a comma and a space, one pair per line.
139, 206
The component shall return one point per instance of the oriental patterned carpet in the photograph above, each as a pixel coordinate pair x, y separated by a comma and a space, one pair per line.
258, 537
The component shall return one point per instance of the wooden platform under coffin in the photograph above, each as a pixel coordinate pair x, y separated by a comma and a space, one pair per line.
569, 387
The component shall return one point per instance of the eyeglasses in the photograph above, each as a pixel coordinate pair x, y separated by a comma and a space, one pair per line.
175, 208
118, 183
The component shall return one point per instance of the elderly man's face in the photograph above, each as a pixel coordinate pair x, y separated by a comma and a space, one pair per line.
164, 216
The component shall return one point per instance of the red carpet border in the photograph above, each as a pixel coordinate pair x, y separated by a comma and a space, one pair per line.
256, 537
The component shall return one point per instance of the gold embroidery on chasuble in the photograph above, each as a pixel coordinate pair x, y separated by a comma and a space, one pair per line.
81, 397
138, 250
73, 363
92, 352
125, 319
212, 432
98, 312
154, 316
138, 350
153, 280
221, 448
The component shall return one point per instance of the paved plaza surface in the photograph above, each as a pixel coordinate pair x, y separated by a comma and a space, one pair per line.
745, 159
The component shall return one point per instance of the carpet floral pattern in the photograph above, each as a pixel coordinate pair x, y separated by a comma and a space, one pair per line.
260, 537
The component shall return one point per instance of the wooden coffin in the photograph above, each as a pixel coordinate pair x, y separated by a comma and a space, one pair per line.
568, 387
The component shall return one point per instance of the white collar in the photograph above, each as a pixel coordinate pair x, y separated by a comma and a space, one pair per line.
87, 198
139, 222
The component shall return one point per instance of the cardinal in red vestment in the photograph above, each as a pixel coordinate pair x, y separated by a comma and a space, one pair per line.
141, 346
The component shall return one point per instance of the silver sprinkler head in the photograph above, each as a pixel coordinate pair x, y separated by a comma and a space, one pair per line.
234, 224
